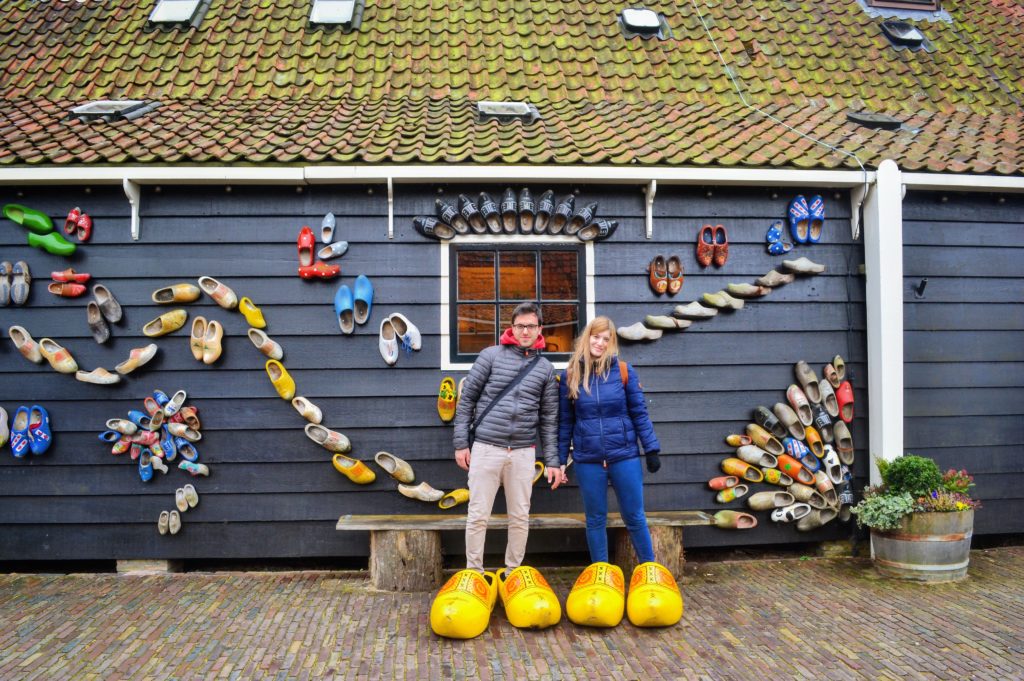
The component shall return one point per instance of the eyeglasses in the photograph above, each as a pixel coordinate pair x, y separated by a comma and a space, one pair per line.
523, 328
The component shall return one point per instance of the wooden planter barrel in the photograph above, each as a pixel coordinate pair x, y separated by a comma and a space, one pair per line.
927, 547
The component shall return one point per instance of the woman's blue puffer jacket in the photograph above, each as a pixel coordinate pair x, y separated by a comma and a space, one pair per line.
604, 425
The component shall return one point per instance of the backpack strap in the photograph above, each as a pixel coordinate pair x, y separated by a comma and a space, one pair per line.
624, 372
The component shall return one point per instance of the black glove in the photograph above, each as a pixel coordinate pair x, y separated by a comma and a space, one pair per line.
653, 462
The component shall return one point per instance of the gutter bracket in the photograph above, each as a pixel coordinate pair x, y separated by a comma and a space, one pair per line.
134, 194
391, 208
652, 189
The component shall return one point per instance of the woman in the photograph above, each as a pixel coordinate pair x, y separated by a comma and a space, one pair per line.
602, 414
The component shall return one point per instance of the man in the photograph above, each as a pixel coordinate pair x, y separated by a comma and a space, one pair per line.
504, 449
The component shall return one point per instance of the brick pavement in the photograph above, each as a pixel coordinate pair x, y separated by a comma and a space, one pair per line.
763, 619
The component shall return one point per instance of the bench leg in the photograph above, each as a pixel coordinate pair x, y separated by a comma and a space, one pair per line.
405, 560
668, 549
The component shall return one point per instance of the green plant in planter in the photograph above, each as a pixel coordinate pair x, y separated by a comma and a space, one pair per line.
882, 511
913, 484
914, 475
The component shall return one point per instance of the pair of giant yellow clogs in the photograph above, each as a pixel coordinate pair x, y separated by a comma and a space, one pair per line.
598, 597
462, 608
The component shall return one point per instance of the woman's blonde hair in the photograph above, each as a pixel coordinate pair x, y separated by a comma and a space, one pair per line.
582, 366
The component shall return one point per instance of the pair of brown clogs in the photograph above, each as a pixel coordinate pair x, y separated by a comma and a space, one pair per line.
665, 276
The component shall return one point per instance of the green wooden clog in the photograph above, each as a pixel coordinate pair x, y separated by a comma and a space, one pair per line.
40, 223
51, 243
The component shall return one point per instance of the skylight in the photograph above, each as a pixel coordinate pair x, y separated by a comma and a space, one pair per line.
903, 33
112, 110
506, 112
344, 13
174, 11
643, 22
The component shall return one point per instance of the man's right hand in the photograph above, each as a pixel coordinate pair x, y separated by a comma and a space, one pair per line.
462, 458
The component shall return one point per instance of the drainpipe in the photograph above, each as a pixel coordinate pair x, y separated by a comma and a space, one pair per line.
883, 252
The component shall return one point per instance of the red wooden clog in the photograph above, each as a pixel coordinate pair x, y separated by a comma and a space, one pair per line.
844, 395
305, 244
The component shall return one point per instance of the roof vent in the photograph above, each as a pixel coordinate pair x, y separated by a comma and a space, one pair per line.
110, 110
903, 34
346, 14
178, 13
506, 112
869, 119
643, 22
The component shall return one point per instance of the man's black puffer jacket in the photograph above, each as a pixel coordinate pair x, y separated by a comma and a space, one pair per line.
513, 422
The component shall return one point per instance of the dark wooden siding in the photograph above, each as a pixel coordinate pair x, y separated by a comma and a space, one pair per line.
964, 344
272, 492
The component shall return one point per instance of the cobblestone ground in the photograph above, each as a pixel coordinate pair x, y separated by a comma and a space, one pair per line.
777, 619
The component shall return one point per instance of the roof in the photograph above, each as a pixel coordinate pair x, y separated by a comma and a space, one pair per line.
255, 84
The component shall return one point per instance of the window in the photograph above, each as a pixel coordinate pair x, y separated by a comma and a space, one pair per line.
920, 5
488, 282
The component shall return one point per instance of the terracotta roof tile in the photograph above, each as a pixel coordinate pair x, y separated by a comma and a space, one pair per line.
255, 84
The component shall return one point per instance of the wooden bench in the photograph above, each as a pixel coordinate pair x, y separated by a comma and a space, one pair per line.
405, 550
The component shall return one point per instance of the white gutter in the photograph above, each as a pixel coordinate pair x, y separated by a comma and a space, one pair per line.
951, 182
147, 175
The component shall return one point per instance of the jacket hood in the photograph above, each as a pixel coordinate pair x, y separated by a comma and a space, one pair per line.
509, 338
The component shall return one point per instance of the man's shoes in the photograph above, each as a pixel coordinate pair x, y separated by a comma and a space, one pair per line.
462, 608
528, 599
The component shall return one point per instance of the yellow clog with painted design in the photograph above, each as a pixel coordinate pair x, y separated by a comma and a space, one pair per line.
446, 399
252, 314
654, 598
354, 470
598, 598
283, 382
462, 608
529, 601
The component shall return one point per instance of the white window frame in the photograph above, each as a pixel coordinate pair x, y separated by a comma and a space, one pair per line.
524, 240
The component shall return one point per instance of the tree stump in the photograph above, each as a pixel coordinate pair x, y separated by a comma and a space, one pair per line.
668, 549
405, 560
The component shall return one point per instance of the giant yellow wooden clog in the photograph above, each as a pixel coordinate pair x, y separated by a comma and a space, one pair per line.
598, 598
529, 601
654, 599
462, 608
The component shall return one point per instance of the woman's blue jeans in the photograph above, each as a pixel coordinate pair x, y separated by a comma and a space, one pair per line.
627, 480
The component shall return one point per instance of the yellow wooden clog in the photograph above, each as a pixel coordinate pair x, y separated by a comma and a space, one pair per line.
446, 399
176, 293
356, 471
165, 323
528, 599
282, 380
454, 498
654, 599
598, 598
462, 608
252, 314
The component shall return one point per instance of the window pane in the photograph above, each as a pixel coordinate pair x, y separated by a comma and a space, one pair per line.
476, 327
476, 276
560, 322
559, 277
518, 276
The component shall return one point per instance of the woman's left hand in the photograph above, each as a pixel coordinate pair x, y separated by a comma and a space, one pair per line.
556, 476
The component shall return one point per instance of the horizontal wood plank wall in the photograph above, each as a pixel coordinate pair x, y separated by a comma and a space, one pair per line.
964, 344
272, 492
